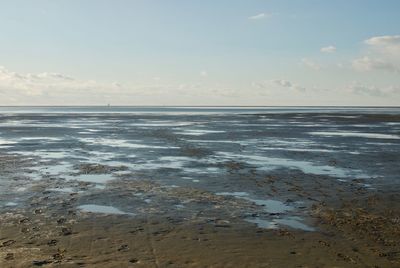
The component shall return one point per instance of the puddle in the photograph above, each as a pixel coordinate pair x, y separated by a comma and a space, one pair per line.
92, 130
36, 176
102, 157
162, 124
381, 143
212, 141
21, 189
172, 162
270, 163
100, 186
176, 159
273, 207
54, 170
6, 142
94, 178
357, 134
121, 143
299, 124
198, 132
292, 222
295, 143
235, 194
270, 206
259, 125
298, 149
11, 204
190, 179
102, 209
40, 139
265, 224
48, 154
63, 190
207, 170
122, 172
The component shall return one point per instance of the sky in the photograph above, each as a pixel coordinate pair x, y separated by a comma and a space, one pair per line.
208, 52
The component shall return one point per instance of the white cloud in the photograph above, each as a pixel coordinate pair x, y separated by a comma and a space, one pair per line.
283, 83
59, 89
204, 73
328, 49
260, 16
383, 53
388, 44
280, 83
311, 64
39, 88
372, 63
360, 89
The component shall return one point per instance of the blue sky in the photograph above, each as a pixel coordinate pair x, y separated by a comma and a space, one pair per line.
149, 52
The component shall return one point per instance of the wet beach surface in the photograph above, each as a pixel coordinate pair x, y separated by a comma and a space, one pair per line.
200, 188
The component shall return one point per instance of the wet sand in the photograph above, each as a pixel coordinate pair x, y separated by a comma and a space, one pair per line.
356, 228
73, 200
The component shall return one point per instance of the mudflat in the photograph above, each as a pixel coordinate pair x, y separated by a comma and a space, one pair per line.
303, 189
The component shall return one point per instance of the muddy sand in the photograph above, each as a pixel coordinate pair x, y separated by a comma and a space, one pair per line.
355, 228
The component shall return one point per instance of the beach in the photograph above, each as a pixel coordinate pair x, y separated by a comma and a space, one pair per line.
199, 187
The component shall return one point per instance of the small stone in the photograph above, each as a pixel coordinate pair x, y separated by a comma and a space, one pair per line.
8, 243
52, 242
41, 263
38, 211
61, 220
9, 257
25, 230
24, 220
274, 214
58, 256
123, 248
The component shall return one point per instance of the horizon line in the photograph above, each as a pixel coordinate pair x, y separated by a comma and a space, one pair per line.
209, 106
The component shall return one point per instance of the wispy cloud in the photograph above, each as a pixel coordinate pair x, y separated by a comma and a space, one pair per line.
311, 64
260, 16
328, 49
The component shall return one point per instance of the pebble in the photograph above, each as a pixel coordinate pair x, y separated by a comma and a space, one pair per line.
66, 231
